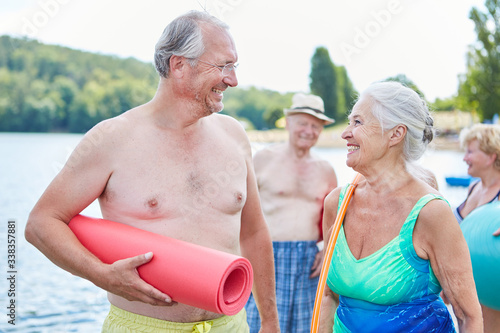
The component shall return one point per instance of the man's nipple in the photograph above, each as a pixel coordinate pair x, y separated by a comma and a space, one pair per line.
152, 203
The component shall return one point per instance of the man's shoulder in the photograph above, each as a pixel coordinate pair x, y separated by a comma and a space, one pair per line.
223, 119
111, 127
324, 168
107, 134
270, 151
269, 157
227, 124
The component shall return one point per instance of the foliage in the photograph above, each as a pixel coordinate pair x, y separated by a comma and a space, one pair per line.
46, 88
324, 81
53, 88
401, 78
260, 107
332, 84
447, 104
347, 93
479, 88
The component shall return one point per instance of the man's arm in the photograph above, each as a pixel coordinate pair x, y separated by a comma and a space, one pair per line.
79, 183
330, 178
330, 299
256, 245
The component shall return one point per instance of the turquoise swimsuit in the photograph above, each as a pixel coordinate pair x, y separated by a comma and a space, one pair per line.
391, 290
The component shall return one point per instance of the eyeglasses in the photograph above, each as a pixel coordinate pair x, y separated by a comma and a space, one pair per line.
226, 69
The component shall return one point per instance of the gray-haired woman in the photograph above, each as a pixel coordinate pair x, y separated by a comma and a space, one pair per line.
399, 243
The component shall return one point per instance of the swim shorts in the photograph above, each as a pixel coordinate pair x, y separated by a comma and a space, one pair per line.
121, 321
295, 291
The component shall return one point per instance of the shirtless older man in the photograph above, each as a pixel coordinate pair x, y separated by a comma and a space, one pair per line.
292, 184
172, 167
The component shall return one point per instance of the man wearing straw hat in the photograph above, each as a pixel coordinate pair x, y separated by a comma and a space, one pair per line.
292, 183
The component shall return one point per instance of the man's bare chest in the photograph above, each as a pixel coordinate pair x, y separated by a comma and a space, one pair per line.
291, 183
152, 185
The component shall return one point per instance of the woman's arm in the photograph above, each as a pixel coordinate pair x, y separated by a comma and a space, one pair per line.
438, 238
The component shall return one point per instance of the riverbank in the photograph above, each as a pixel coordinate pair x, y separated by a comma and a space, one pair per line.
447, 123
331, 138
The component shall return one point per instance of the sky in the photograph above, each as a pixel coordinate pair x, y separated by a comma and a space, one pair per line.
426, 40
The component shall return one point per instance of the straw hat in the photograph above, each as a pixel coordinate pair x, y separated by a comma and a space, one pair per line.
310, 104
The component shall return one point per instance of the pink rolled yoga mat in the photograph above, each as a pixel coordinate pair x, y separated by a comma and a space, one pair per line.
190, 274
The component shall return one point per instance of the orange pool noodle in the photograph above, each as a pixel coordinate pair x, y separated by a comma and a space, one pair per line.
190, 274
329, 252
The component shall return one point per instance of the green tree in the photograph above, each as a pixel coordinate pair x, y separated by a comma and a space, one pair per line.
54, 88
66, 89
401, 78
447, 104
479, 88
324, 81
261, 107
246, 105
347, 93
271, 115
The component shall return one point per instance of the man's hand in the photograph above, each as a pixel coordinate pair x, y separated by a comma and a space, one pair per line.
124, 280
317, 264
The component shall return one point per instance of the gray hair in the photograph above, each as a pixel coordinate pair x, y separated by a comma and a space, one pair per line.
183, 37
394, 104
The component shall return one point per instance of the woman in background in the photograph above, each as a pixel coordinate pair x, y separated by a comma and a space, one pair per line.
482, 144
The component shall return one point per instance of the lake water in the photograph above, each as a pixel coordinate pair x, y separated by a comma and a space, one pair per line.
48, 299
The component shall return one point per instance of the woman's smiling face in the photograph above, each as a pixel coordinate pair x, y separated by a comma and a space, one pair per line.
476, 159
364, 137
